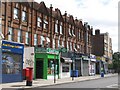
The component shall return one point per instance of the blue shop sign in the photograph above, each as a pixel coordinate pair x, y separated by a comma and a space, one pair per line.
12, 47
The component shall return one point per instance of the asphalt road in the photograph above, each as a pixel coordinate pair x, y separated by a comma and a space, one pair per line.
97, 83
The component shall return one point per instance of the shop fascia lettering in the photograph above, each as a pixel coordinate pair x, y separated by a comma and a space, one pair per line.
12, 46
46, 50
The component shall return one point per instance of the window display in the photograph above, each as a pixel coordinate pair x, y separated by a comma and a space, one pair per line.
51, 67
11, 63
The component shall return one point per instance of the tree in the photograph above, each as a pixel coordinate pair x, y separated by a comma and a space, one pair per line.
116, 61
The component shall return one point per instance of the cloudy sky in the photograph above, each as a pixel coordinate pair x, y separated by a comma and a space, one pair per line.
101, 14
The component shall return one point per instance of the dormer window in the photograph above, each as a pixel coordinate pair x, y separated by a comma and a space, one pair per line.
15, 13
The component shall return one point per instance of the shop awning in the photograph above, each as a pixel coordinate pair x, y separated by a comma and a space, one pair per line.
94, 60
65, 60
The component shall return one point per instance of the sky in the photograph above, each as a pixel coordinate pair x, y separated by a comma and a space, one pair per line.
101, 14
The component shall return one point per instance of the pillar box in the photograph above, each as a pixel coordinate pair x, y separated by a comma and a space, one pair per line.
29, 76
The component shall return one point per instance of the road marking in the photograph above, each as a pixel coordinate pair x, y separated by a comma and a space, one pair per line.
112, 86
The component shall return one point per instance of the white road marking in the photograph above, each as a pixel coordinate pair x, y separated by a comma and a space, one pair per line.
112, 86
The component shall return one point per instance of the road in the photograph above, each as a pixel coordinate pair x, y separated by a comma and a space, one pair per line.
97, 83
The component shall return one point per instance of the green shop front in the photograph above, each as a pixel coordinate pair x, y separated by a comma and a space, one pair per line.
46, 65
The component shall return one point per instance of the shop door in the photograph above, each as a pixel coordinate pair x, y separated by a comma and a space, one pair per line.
78, 67
39, 69
85, 68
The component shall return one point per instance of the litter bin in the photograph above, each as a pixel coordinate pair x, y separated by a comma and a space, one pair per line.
74, 73
102, 74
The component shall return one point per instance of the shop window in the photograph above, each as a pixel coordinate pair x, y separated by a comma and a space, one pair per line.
65, 67
15, 13
51, 67
11, 63
35, 39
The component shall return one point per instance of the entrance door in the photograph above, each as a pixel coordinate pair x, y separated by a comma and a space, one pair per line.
39, 68
85, 68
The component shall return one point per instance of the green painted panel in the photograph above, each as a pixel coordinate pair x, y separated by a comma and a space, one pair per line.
52, 56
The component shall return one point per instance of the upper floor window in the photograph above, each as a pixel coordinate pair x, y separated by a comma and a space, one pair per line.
19, 39
73, 31
62, 43
39, 22
26, 38
61, 28
67, 45
42, 40
24, 16
53, 45
71, 46
15, 13
56, 26
10, 36
79, 35
35, 39
45, 25
70, 32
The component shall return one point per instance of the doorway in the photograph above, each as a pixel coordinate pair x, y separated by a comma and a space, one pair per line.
39, 69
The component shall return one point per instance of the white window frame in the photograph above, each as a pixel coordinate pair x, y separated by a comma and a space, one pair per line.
53, 43
56, 28
19, 36
15, 13
73, 32
39, 21
11, 34
67, 45
35, 39
71, 46
70, 32
61, 28
24, 17
26, 38
42, 40
45, 24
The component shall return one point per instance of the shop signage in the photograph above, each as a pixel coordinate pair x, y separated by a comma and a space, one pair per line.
46, 50
12, 47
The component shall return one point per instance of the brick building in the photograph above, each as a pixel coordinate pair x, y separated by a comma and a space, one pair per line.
102, 47
34, 24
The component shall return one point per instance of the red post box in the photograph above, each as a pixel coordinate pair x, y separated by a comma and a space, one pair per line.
29, 76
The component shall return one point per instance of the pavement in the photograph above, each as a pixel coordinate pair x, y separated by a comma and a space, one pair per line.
42, 82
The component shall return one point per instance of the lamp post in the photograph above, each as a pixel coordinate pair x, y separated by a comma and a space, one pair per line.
54, 68
73, 64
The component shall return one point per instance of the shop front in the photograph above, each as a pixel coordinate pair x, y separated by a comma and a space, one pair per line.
65, 67
46, 64
92, 65
85, 66
12, 61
